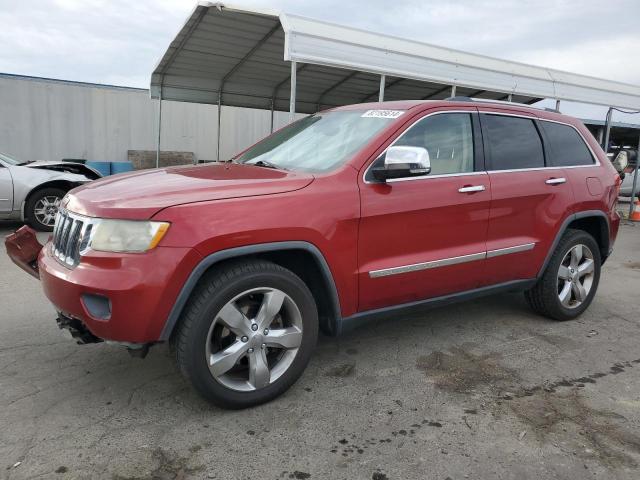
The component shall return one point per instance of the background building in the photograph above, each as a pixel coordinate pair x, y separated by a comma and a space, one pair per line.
46, 119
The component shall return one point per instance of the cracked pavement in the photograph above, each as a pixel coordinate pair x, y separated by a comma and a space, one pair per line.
484, 389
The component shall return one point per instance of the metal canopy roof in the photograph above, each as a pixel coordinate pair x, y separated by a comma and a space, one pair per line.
245, 55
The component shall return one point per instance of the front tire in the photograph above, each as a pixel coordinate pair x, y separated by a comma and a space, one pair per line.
569, 283
42, 207
247, 333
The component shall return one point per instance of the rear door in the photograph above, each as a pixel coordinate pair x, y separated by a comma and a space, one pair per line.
6, 189
568, 149
424, 237
530, 197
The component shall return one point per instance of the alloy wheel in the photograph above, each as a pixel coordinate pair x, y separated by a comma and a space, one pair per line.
575, 276
254, 339
45, 210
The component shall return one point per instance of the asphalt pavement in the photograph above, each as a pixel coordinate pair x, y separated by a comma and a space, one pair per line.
480, 390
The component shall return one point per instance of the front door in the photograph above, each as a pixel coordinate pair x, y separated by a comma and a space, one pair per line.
6, 190
424, 237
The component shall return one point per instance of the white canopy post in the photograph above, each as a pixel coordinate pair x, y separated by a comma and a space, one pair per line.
159, 128
272, 107
219, 124
607, 130
292, 97
383, 81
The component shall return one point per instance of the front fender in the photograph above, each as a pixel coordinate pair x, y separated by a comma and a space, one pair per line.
26, 180
219, 256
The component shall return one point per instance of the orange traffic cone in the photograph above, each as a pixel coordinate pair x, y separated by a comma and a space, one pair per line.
635, 214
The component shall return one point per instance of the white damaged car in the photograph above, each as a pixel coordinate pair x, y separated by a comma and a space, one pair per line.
31, 191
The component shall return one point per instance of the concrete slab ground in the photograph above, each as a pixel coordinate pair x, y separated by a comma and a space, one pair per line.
480, 390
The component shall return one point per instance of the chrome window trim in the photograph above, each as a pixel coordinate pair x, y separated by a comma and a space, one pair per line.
444, 262
441, 175
490, 112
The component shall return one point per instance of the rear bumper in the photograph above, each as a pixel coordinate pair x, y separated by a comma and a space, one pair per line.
118, 297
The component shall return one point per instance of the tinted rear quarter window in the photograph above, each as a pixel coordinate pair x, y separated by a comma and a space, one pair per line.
567, 148
513, 142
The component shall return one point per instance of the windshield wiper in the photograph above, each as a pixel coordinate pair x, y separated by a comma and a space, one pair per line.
264, 163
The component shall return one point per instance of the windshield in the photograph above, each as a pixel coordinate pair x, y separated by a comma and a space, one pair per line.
8, 160
320, 142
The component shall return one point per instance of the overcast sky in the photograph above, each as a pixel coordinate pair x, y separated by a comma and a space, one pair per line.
119, 41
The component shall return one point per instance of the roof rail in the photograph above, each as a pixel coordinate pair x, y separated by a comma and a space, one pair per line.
503, 102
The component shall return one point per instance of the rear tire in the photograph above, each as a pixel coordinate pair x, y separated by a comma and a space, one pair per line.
42, 207
241, 318
569, 283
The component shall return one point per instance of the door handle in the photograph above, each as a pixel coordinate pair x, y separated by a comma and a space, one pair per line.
556, 181
471, 189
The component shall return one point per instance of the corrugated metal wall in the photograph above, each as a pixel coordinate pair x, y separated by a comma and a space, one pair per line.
44, 119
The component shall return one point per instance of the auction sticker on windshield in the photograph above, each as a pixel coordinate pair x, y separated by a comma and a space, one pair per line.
382, 113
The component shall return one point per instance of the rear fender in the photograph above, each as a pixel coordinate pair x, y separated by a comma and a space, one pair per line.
571, 218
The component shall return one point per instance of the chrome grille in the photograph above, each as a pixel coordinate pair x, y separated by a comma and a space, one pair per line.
68, 234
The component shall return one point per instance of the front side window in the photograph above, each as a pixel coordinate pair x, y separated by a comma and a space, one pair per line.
566, 145
320, 142
513, 142
448, 137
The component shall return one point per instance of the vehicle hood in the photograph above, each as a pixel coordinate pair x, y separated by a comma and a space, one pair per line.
141, 195
65, 167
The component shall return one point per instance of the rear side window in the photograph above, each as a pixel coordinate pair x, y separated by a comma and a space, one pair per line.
513, 142
567, 148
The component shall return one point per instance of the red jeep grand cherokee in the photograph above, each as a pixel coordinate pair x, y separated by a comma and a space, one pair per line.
350, 213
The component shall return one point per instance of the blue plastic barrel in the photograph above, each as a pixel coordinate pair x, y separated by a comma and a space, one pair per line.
103, 167
121, 167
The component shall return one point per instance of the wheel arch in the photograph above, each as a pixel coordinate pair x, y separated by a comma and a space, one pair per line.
303, 258
65, 185
594, 222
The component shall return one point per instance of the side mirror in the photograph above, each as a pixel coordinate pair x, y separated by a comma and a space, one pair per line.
401, 162
621, 161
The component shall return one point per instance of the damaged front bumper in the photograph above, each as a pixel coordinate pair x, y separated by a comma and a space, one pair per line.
23, 249
81, 334
77, 329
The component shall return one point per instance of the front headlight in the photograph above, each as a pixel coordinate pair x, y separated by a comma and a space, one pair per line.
126, 235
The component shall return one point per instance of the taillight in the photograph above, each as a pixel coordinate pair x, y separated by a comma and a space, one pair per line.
617, 183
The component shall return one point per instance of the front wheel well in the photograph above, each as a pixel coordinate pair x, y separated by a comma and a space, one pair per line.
598, 228
305, 266
306, 263
64, 185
